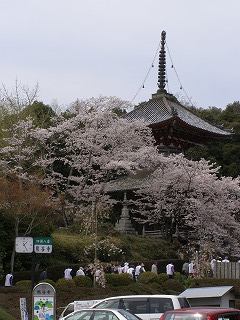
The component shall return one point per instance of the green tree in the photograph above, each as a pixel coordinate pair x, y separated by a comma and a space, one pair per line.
224, 153
41, 114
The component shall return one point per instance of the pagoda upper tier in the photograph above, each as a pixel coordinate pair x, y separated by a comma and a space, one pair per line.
175, 127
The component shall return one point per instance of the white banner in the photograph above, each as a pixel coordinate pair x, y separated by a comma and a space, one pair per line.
23, 309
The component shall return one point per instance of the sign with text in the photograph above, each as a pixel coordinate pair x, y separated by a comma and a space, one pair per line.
23, 309
44, 302
42, 245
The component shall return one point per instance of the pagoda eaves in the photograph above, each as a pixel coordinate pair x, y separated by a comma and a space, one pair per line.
173, 125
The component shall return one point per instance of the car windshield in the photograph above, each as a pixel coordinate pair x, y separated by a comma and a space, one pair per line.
113, 303
184, 316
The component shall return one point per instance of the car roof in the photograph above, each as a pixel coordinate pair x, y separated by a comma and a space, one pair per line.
88, 309
145, 296
206, 309
100, 309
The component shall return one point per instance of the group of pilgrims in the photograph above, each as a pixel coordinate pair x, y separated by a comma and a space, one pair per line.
133, 271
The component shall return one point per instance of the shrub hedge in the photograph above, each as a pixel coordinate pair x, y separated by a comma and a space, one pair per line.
65, 284
147, 277
173, 286
116, 280
25, 285
83, 281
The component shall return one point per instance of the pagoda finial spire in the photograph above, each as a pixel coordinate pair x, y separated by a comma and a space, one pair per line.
162, 65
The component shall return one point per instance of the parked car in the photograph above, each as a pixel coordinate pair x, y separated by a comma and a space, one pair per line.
65, 310
147, 307
202, 313
77, 305
101, 314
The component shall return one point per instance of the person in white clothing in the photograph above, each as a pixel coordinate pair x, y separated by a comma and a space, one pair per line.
80, 272
137, 272
170, 270
125, 268
191, 269
154, 267
68, 273
8, 280
120, 269
225, 259
97, 274
131, 271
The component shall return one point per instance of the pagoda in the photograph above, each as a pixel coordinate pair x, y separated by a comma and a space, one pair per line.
174, 127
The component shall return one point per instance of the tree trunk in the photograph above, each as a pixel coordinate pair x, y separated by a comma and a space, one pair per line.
13, 251
12, 259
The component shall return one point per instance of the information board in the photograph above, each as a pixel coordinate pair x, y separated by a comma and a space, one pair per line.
44, 302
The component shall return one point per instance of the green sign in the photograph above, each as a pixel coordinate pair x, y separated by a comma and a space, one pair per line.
42, 245
42, 240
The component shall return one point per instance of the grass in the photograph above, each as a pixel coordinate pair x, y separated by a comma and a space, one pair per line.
70, 246
6, 316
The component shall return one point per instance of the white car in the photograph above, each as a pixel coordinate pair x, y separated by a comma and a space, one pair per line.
101, 314
77, 305
147, 307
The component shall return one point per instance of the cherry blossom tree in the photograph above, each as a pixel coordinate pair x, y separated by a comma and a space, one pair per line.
189, 195
91, 145
86, 150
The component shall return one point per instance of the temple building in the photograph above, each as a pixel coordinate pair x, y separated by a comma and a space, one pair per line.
175, 129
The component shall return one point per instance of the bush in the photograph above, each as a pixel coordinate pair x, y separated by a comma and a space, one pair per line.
172, 286
83, 281
141, 288
65, 283
25, 285
148, 277
115, 280
162, 277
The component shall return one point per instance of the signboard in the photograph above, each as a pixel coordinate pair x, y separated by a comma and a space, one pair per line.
42, 245
23, 309
44, 302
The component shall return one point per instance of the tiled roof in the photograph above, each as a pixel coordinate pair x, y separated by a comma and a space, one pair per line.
162, 109
131, 182
124, 184
206, 292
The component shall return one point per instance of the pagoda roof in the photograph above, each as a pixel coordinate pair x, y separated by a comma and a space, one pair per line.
165, 108
130, 182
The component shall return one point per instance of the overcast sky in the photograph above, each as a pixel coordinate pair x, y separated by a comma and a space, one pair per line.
86, 48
